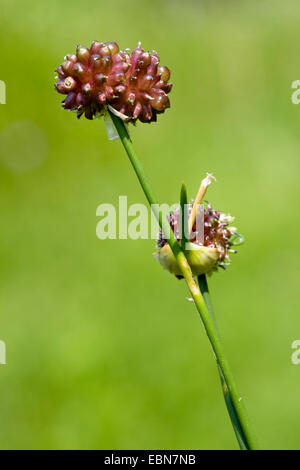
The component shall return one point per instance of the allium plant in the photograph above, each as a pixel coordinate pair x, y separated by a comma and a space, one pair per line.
102, 80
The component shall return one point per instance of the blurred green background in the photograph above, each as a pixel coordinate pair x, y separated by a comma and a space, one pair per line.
103, 349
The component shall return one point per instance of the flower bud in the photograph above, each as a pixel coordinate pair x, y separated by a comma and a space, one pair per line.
67, 67
160, 102
66, 85
95, 47
83, 54
70, 84
60, 87
104, 51
60, 72
113, 47
80, 70
71, 57
116, 78
164, 72
119, 57
145, 59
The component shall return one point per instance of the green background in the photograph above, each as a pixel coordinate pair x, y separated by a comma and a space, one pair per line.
103, 349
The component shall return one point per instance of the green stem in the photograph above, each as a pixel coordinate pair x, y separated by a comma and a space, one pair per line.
183, 215
242, 440
192, 284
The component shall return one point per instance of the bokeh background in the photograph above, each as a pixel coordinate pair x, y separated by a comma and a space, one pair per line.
103, 349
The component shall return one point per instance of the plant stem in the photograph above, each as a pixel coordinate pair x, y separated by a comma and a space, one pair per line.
183, 215
192, 284
230, 406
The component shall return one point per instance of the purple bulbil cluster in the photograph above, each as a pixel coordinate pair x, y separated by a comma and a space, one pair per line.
134, 85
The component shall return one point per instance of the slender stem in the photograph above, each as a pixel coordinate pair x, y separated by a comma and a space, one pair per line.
183, 215
230, 406
192, 284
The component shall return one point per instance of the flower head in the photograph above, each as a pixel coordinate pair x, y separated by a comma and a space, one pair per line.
92, 77
134, 86
146, 87
204, 255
